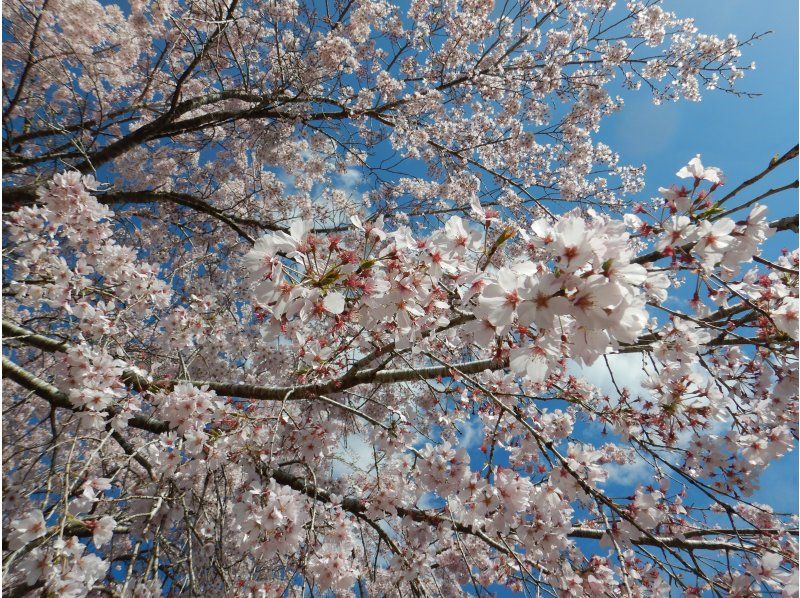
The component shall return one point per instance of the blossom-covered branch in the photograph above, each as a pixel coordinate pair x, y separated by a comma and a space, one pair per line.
308, 300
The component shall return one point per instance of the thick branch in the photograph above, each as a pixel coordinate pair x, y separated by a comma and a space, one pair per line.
274, 393
791, 154
785, 223
58, 398
22, 196
357, 507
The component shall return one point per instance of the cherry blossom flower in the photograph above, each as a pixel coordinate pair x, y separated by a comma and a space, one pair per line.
786, 316
696, 170
713, 239
545, 301
103, 530
500, 299
332, 319
26, 529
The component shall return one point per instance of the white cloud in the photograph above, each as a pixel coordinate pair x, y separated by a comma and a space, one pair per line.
471, 433
350, 179
628, 370
638, 471
353, 454
429, 500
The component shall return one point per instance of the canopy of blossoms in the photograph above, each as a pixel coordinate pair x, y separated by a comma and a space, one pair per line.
301, 299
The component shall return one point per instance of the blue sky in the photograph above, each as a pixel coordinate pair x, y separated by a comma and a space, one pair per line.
737, 134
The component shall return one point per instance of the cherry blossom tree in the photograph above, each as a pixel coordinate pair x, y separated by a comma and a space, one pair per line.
307, 299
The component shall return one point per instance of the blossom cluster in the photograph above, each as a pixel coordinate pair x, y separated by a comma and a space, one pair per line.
367, 307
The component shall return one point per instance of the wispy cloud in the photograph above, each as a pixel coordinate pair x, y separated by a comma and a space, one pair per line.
350, 180
353, 454
628, 371
638, 471
471, 433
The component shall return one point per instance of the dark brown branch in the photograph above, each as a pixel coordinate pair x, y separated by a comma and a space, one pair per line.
28, 64
22, 196
747, 204
791, 154
274, 393
357, 507
57, 398
785, 223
